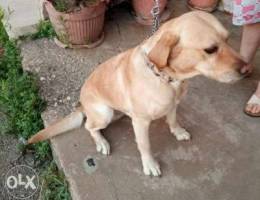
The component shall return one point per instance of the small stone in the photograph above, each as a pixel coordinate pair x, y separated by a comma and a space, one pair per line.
42, 78
90, 165
22, 140
68, 98
53, 76
91, 162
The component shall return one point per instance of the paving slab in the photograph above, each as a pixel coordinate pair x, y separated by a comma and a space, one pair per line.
21, 16
220, 162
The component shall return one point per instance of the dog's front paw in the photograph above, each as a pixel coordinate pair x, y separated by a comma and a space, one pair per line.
151, 167
103, 146
181, 134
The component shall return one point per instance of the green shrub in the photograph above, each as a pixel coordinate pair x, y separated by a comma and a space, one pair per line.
61, 5
44, 30
71, 5
19, 99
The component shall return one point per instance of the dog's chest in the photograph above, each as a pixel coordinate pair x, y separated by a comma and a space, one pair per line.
160, 100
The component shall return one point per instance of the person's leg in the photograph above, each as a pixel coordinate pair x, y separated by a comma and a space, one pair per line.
249, 44
254, 107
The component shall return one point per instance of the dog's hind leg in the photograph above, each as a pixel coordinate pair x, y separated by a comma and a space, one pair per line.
179, 132
98, 117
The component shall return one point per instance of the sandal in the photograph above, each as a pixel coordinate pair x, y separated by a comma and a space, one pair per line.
254, 100
209, 9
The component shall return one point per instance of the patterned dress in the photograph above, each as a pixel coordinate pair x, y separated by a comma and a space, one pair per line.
246, 12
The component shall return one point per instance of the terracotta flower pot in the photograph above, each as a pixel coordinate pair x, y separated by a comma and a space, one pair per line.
143, 9
205, 5
83, 28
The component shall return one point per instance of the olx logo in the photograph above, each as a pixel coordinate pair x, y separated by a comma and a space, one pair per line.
12, 182
21, 182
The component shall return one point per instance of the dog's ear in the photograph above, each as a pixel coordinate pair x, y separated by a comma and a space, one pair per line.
160, 52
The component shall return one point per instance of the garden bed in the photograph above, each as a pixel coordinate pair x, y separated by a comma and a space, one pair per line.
20, 111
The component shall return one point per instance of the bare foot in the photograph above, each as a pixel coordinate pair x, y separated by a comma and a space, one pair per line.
254, 107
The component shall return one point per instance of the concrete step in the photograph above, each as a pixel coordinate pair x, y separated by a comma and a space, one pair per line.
221, 159
21, 17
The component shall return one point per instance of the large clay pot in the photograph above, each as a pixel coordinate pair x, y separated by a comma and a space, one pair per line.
83, 28
205, 5
143, 9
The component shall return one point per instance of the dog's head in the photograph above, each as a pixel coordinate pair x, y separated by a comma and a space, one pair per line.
196, 44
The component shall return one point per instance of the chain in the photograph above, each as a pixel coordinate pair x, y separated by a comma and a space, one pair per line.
156, 16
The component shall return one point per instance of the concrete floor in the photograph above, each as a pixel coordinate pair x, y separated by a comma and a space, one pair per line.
221, 162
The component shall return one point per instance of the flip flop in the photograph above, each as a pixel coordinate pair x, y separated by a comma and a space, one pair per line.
209, 9
253, 100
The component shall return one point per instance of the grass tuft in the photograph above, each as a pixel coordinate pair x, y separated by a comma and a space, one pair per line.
54, 185
44, 30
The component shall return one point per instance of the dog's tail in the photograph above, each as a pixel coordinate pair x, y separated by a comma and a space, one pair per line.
72, 121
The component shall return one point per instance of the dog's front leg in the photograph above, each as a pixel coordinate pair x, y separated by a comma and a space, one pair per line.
141, 129
179, 132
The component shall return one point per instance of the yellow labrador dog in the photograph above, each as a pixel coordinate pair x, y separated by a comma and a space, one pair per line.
147, 82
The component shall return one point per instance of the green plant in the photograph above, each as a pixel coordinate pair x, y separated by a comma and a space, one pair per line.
62, 5
44, 30
70, 5
20, 112
54, 185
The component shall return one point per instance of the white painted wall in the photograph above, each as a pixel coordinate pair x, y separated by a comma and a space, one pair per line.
21, 16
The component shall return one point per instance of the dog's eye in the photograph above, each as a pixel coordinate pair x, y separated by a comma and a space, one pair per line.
211, 50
